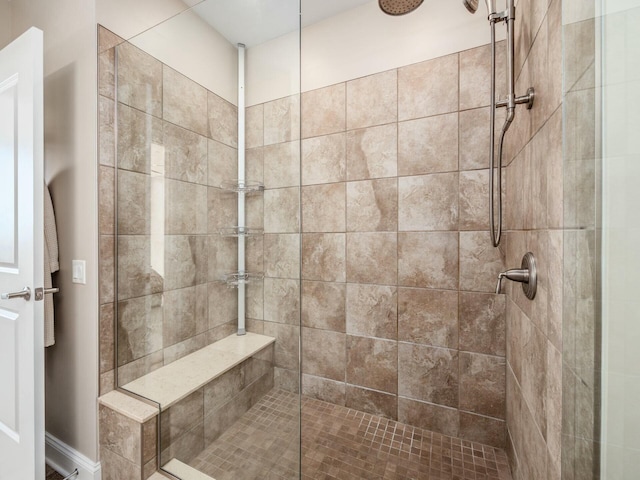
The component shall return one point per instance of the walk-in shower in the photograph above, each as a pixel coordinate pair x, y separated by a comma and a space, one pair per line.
508, 16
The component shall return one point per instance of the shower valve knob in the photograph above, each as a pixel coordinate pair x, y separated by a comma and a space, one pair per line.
527, 275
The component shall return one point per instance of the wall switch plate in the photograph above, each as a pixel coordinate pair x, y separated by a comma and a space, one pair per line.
79, 269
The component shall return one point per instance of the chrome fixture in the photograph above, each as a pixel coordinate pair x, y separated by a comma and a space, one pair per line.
399, 7
508, 16
526, 274
24, 293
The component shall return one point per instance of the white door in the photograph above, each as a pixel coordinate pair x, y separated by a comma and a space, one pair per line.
21, 259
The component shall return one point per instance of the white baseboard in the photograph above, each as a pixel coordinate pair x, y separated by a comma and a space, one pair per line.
64, 459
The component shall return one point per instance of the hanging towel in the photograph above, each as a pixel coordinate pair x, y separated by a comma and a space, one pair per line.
51, 264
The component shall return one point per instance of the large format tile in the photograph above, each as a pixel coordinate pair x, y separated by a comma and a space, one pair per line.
480, 262
428, 317
372, 363
474, 200
428, 260
184, 101
282, 120
282, 255
323, 305
372, 152
185, 208
323, 208
139, 327
372, 100
324, 353
185, 155
282, 165
372, 311
428, 202
134, 203
324, 159
223, 120
139, 140
139, 80
482, 323
482, 384
282, 210
372, 258
372, 205
323, 257
428, 145
428, 374
323, 111
428, 88
282, 300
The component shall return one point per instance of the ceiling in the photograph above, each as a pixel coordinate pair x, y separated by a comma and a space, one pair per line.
253, 22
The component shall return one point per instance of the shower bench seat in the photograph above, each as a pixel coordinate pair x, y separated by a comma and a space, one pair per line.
173, 382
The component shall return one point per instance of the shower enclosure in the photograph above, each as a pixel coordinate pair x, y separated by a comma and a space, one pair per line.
305, 282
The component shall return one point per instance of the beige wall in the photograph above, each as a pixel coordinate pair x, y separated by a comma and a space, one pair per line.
534, 221
5, 23
70, 144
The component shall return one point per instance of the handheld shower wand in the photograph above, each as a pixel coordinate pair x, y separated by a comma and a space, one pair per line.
509, 17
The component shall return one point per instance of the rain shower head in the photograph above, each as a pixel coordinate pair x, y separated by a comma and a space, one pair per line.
472, 6
399, 7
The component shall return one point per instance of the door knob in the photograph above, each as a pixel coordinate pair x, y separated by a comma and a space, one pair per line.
41, 292
24, 293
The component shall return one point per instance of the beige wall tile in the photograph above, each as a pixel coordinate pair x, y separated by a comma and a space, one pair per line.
185, 208
223, 304
107, 332
134, 203
185, 261
323, 208
106, 134
222, 211
181, 315
184, 102
323, 257
140, 328
107, 269
372, 401
372, 363
106, 73
428, 145
287, 351
428, 202
475, 76
372, 205
372, 311
140, 80
372, 100
474, 200
428, 88
282, 165
437, 270
222, 162
282, 210
482, 323
106, 200
428, 317
120, 435
107, 39
324, 111
478, 428
324, 159
137, 133
181, 418
182, 349
185, 155
372, 152
428, 374
254, 126
282, 255
282, 300
223, 120
254, 165
324, 305
136, 275
480, 262
282, 120
475, 139
115, 467
324, 353
429, 416
323, 389
372, 258
222, 256
482, 384
133, 370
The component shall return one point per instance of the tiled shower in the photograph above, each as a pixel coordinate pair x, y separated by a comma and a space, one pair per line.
379, 274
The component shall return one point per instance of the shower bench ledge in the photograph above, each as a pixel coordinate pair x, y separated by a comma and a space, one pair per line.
173, 382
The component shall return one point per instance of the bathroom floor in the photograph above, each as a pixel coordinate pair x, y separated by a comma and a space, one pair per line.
51, 474
342, 444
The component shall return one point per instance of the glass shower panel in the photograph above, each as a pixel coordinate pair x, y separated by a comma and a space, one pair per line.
229, 403
620, 457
